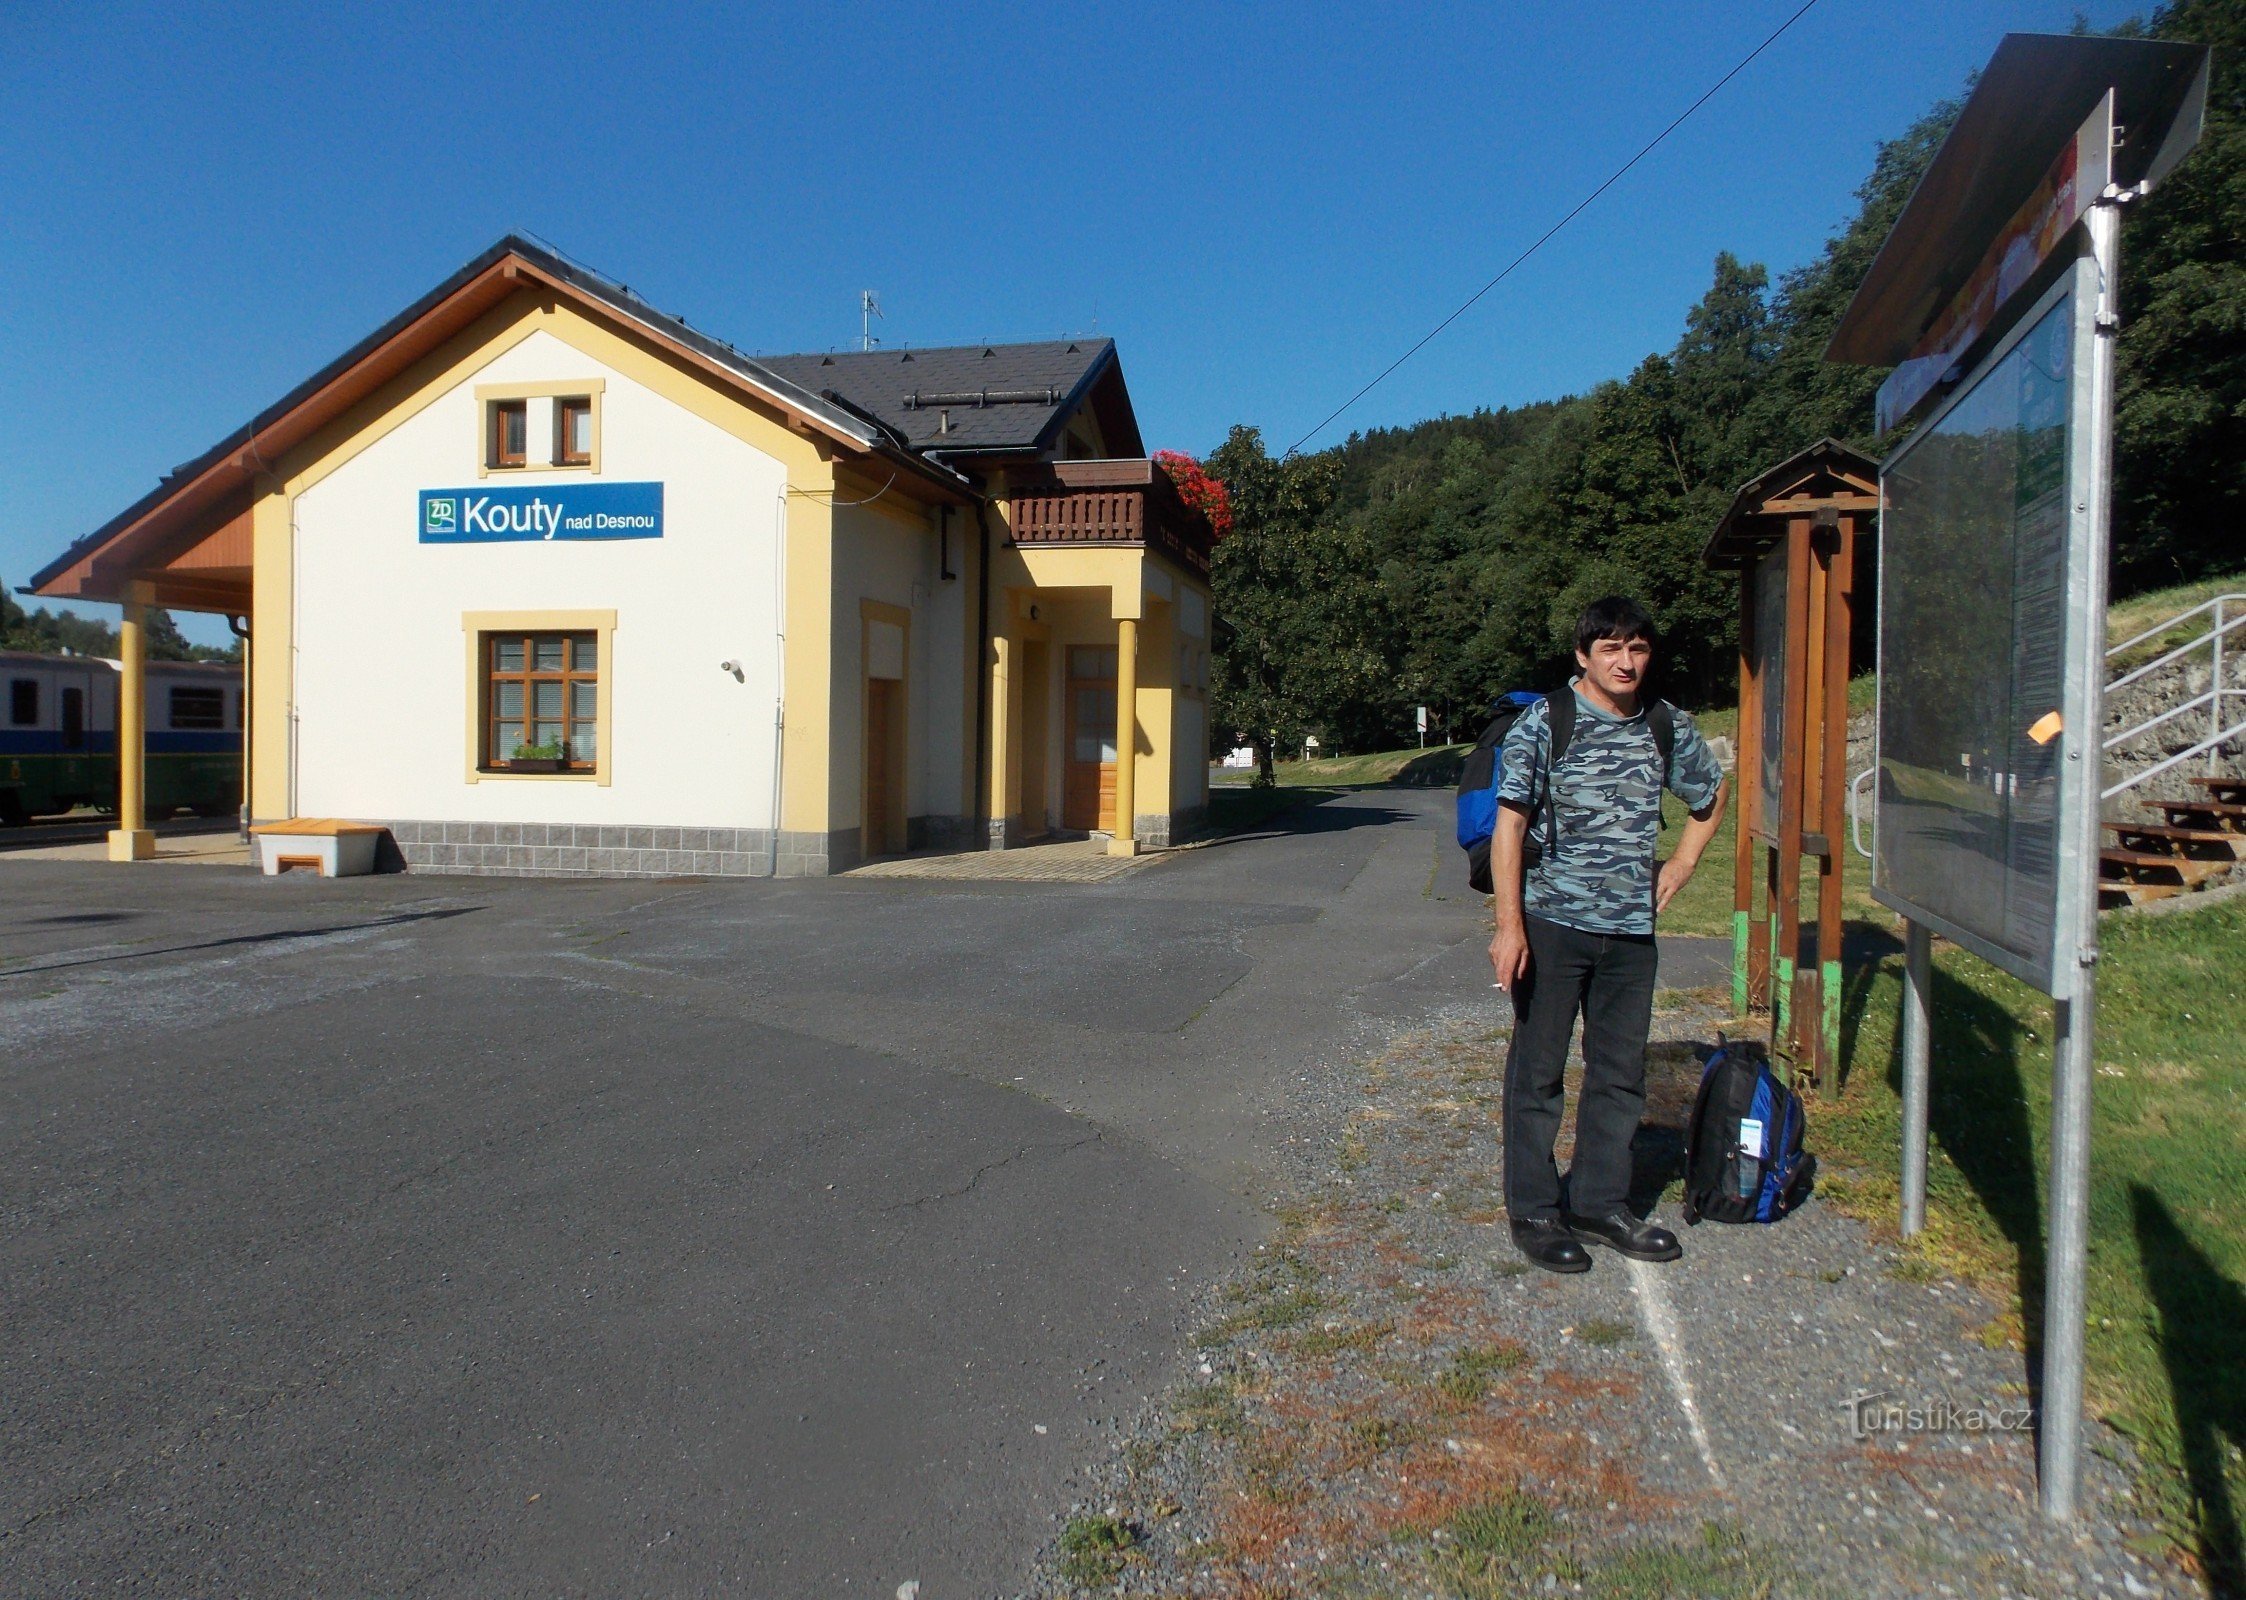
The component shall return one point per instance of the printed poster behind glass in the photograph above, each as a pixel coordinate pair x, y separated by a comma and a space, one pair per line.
1975, 531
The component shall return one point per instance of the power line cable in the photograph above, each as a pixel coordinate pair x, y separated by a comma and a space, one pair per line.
1612, 179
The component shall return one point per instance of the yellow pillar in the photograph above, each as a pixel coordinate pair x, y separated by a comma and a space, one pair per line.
1002, 752
131, 839
248, 720
1125, 840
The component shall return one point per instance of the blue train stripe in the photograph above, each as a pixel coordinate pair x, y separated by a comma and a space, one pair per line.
48, 742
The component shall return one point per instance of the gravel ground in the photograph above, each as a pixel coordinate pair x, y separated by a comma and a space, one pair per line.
1389, 1402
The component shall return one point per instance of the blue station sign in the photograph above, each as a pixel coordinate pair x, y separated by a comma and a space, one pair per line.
518, 512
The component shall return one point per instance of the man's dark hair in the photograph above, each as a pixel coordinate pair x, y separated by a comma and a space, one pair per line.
1615, 617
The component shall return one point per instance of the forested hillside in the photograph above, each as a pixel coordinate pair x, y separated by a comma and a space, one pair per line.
1443, 563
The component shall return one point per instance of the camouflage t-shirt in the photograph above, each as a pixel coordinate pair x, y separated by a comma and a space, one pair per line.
1608, 796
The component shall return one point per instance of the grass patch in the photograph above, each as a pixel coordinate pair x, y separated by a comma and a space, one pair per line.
1210, 1408
1722, 1566
1318, 1343
2137, 613
1472, 1371
1508, 1528
1378, 1435
1285, 1308
1483, 1551
1434, 767
1094, 1549
2166, 1340
1604, 1332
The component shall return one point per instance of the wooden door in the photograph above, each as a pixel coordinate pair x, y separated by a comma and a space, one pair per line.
1088, 795
880, 717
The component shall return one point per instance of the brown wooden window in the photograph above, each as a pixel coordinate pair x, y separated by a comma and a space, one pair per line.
541, 702
573, 431
510, 433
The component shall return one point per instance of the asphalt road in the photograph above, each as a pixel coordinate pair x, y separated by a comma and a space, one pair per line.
440, 1236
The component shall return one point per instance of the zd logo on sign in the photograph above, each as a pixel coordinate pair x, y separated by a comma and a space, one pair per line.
440, 516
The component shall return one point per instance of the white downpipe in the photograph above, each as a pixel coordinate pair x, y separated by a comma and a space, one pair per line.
296, 646
779, 662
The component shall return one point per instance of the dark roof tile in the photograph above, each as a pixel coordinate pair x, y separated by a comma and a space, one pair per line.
882, 383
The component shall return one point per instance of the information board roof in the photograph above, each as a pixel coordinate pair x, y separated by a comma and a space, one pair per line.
2034, 94
1826, 476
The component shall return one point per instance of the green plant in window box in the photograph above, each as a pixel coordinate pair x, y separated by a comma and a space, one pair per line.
552, 756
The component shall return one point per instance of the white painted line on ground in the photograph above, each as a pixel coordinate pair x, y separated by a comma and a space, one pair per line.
1661, 1322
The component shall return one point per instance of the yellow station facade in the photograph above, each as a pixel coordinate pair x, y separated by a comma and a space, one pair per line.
544, 580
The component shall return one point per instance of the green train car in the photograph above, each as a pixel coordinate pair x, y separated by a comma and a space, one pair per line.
58, 736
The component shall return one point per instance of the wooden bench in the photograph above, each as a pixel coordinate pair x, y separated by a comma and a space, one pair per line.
327, 845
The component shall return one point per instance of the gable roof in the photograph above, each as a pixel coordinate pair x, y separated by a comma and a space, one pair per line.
1828, 474
1001, 399
217, 484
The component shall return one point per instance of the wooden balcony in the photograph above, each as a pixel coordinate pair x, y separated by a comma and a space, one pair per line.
1129, 502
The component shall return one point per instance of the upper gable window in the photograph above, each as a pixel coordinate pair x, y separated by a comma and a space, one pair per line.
573, 431
547, 425
507, 433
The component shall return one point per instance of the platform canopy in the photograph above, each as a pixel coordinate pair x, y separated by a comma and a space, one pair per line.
2035, 93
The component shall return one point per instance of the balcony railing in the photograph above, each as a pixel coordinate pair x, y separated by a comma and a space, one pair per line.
1127, 502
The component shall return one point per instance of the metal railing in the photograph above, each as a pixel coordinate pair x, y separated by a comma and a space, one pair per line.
2228, 617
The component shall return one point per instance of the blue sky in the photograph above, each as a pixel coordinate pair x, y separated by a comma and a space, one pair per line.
1262, 204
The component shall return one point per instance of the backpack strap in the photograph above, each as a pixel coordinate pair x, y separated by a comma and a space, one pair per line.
1559, 719
1661, 717
1692, 1123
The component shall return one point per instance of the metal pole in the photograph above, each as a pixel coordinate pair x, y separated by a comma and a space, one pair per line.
1918, 1039
2215, 705
2075, 999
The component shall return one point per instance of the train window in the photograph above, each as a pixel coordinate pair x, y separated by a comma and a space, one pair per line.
74, 719
541, 702
197, 707
23, 702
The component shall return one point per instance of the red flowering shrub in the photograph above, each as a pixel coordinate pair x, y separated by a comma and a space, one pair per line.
1197, 489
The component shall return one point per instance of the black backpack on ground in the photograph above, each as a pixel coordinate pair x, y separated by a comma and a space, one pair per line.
1744, 1160
1477, 777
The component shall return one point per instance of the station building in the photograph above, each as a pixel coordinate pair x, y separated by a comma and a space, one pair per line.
545, 580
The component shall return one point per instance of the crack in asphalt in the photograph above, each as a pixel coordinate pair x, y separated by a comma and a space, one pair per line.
990, 1167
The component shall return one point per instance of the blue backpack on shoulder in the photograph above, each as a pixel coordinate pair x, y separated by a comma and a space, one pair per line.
1744, 1160
1478, 774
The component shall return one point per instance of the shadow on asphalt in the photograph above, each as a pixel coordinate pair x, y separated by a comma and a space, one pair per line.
1312, 817
280, 936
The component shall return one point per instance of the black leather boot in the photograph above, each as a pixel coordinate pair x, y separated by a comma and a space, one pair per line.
1547, 1242
1620, 1231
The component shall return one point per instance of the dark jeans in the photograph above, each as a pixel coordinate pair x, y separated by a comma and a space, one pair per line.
1608, 977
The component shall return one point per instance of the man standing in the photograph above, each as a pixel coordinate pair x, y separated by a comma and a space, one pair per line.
1573, 874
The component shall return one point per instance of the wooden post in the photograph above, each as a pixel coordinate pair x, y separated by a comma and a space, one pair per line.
1809, 998
1840, 586
1747, 987
1786, 957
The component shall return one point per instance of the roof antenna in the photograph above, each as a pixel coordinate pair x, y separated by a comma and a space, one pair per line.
869, 307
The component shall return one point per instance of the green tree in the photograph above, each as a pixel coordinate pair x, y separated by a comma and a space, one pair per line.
1296, 597
2180, 386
